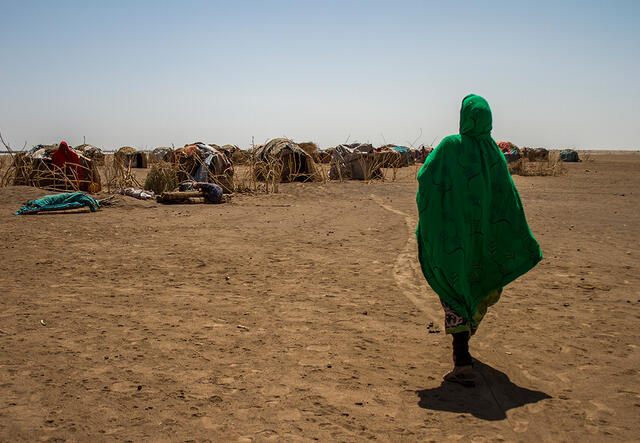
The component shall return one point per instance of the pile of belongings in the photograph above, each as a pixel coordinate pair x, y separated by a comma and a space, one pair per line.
203, 163
354, 162
510, 151
56, 166
130, 157
59, 202
292, 162
140, 194
569, 155
194, 192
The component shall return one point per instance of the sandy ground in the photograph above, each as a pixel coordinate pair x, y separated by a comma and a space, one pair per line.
303, 316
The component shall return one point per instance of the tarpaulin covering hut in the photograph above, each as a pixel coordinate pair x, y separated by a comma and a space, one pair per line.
56, 167
355, 162
570, 156
511, 152
203, 163
131, 157
293, 163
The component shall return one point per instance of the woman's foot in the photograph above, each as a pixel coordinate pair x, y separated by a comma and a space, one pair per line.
462, 375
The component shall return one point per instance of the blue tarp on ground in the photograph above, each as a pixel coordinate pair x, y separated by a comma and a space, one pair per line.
60, 202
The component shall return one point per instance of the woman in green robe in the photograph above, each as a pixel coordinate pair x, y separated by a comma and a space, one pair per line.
473, 237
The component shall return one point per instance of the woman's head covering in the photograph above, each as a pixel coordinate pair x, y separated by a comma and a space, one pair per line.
65, 158
473, 236
475, 116
63, 155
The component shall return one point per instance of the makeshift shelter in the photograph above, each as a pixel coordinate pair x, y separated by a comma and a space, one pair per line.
227, 150
355, 162
393, 156
162, 153
324, 156
235, 154
287, 159
511, 152
56, 167
131, 157
312, 149
365, 148
90, 151
202, 163
535, 154
241, 157
388, 157
570, 156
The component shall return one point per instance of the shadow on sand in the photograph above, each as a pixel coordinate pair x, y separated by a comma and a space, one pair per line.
493, 395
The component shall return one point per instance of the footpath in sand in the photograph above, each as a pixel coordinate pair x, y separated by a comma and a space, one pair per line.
303, 315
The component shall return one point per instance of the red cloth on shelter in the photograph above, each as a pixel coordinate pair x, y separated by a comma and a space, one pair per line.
65, 155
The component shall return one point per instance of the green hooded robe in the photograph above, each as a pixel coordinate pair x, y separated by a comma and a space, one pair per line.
472, 233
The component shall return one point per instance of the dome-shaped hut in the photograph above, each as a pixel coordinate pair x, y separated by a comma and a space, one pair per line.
286, 158
130, 157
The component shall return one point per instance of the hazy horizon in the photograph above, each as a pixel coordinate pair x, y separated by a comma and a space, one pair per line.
558, 74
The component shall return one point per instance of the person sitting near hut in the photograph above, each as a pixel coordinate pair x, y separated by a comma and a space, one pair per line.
473, 237
68, 161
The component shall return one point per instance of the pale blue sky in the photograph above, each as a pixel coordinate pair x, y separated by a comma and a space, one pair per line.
557, 74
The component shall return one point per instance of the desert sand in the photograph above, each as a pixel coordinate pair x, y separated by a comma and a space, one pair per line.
303, 315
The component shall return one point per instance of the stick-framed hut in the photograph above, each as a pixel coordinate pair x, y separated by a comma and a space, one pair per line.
357, 161
287, 159
130, 157
55, 167
203, 163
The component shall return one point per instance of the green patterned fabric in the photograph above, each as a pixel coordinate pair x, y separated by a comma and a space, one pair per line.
472, 233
